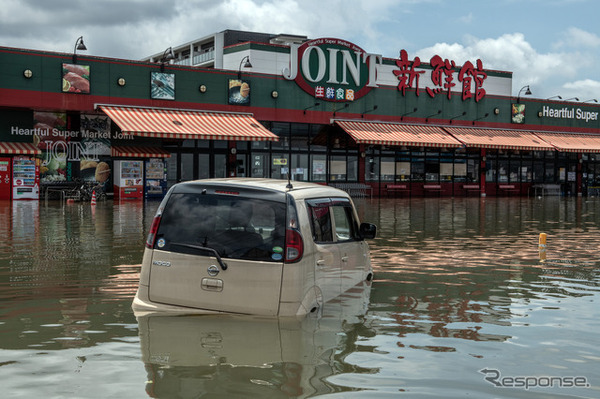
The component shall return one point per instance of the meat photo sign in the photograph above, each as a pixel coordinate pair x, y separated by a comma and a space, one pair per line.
76, 78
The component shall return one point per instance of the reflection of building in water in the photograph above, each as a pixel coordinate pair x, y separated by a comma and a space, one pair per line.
193, 356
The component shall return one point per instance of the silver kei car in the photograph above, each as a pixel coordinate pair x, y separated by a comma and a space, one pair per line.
252, 246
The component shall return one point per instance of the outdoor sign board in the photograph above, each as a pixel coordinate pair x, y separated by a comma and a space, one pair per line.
332, 69
337, 70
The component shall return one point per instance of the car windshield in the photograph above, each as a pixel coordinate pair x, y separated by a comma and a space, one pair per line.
236, 227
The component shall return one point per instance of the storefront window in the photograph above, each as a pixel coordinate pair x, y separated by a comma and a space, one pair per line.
432, 167
187, 167
372, 168
259, 145
188, 143
299, 136
220, 165
299, 167
220, 144
242, 145
538, 172
240, 165
283, 131
588, 174
318, 167
388, 166
526, 169
352, 168
513, 169
260, 163
549, 175
446, 168
460, 170
172, 169
337, 168
203, 166
417, 170
316, 145
403, 166
473, 170
572, 173
280, 166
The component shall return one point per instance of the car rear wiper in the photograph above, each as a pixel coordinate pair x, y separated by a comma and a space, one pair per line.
207, 249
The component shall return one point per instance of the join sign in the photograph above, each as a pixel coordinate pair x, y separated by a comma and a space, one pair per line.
332, 69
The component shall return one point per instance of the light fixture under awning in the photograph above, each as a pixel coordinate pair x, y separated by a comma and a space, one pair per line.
130, 151
393, 134
499, 139
19, 149
567, 142
186, 124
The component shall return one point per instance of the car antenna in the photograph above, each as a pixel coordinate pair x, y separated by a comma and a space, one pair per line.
289, 185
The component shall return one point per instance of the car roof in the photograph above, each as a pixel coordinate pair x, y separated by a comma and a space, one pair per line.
298, 189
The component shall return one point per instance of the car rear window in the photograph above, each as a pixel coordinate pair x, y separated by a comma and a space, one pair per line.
236, 227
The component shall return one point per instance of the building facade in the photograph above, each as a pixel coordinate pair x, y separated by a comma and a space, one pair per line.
279, 106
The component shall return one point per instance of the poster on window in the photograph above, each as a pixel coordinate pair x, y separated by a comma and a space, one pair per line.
75, 78
95, 135
51, 136
162, 86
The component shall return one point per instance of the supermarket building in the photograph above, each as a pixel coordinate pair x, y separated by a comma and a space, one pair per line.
259, 105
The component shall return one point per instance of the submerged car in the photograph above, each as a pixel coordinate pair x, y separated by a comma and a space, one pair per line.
252, 246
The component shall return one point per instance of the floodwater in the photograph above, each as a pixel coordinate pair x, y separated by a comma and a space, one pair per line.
461, 306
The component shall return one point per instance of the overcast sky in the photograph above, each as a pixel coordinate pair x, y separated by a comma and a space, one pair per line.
551, 45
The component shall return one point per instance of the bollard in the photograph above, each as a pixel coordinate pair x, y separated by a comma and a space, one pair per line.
542, 247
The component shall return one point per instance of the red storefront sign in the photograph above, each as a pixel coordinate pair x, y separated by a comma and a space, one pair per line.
442, 76
332, 69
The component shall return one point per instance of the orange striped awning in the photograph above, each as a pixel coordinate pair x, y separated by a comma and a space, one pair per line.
130, 151
397, 134
184, 124
499, 139
567, 142
19, 149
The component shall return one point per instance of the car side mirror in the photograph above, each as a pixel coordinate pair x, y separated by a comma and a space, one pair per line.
368, 230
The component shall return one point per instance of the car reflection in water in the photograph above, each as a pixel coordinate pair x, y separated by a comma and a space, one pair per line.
247, 356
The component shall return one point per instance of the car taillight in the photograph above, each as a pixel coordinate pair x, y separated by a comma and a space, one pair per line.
152, 233
294, 246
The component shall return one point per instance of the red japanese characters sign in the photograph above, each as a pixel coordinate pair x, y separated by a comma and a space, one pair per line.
442, 76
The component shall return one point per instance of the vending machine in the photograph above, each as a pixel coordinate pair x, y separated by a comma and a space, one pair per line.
25, 178
129, 179
5, 176
156, 178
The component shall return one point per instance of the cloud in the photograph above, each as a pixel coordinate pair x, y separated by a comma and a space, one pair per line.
587, 88
578, 38
466, 19
513, 53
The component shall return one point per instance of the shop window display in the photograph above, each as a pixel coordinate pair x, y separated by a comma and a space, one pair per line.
318, 167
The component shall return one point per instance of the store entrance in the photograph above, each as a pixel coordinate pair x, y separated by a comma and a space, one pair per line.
187, 164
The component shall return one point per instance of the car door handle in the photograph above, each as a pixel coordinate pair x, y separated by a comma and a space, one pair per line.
320, 262
344, 259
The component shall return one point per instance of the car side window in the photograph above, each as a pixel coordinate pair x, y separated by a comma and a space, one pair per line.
320, 218
332, 220
345, 225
